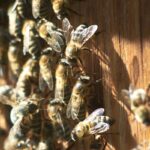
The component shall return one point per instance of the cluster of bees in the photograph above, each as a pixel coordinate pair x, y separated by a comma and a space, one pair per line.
50, 87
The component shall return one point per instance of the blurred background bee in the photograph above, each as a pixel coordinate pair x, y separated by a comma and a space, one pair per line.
95, 123
31, 40
28, 77
41, 9
15, 59
139, 103
47, 63
52, 35
76, 106
76, 38
15, 23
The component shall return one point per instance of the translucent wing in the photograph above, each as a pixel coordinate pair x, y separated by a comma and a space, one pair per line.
74, 106
26, 40
101, 127
56, 42
67, 28
87, 33
59, 90
60, 122
97, 112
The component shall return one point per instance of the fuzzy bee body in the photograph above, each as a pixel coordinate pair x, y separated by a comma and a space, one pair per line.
95, 123
31, 41
138, 100
41, 9
28, 76
15, 23
47, 65
52, 35
77, 100
59, 7
14, 57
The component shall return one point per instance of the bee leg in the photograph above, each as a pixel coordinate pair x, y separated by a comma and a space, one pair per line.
73, 11
57, 101
87, 49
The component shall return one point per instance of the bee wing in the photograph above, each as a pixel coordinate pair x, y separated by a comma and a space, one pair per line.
73, 107
26, 40
60, 122
59, 90
67, 28
55, 41
101, 127
97, 112
87, 33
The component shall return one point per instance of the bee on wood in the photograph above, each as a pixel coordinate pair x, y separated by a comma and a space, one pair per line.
20, 7
41, 9
14, 57
4, 43
15, 24
52, 35
28, 77
76, 105
31, 40
95, 123
139, 102
78, 38
47, 64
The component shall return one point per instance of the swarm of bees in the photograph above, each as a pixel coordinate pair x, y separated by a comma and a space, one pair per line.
48, 85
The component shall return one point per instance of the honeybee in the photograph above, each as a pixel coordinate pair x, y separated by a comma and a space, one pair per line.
14, 57
47, 64
62, 87
15, 23
59, 7
52, 35
28, 77
139, 103
78, 38
19, 6
31, 40
76, 104
95, 123
41, 9
60, 126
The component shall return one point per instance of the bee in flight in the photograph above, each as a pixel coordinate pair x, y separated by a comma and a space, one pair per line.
76, 38
76, 105
139, 102
52, 35
95, 123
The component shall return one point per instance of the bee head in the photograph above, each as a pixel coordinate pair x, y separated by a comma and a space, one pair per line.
142, 114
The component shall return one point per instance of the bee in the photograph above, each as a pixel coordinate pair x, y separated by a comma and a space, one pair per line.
31, 40
76, 105
19, 6
60, 125
41, 9
62, 87
47, 64
4, 42
28, 77
138, 99
14, 57
15, 23
59, 7
95, 123
78, 38
52, 35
